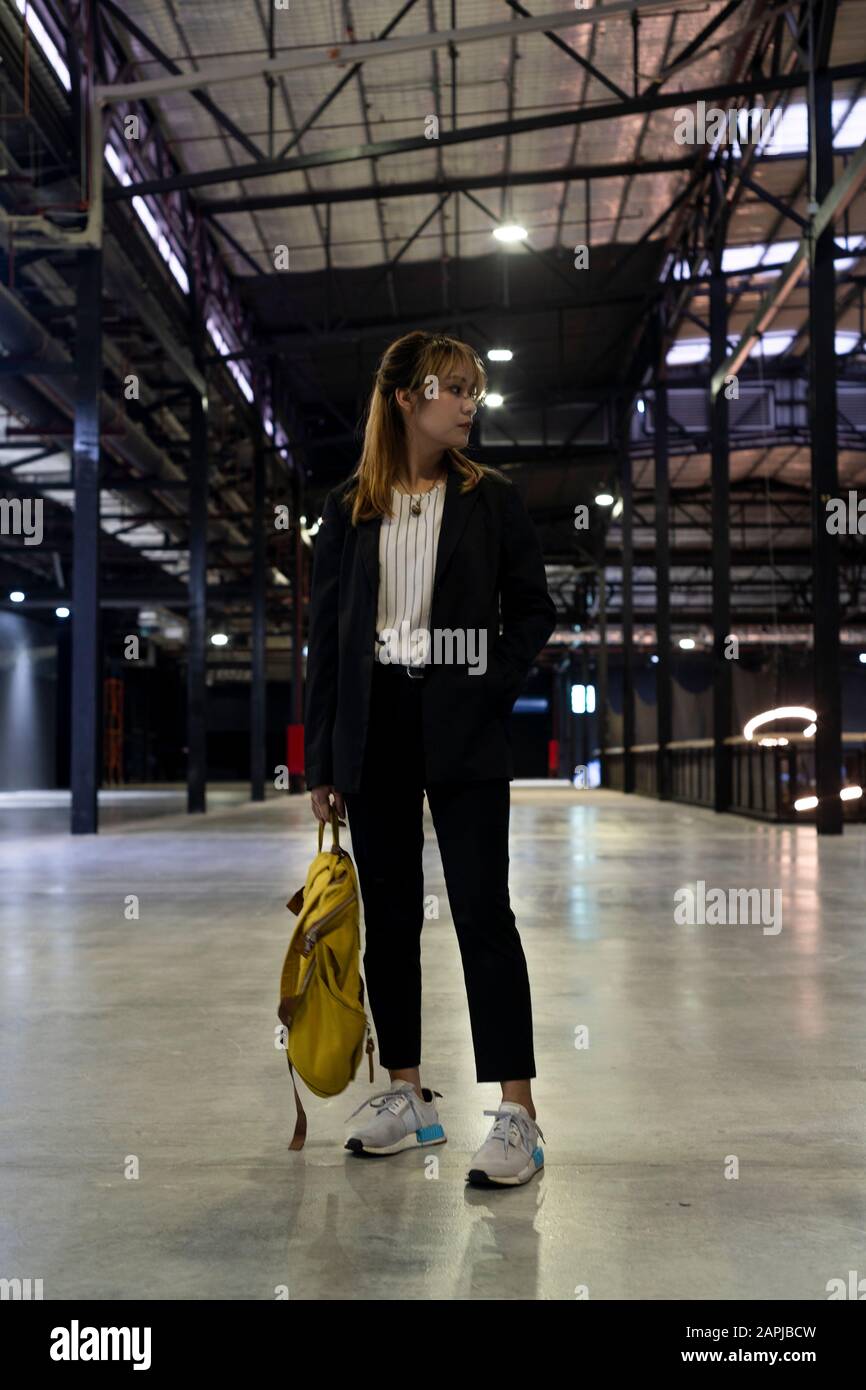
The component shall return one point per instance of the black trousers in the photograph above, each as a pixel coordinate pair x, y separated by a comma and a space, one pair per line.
471, 824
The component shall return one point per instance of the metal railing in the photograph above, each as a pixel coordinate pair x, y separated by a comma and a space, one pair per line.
765, 781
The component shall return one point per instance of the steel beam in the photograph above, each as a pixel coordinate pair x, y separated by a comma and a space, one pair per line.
573, 54
720, 479
86, 627
196, 671
627, 623
833, 203
335, 56
604, 111
626, 168
297, 617
258, 635
602, 673
663, 583
822, 419
202, 98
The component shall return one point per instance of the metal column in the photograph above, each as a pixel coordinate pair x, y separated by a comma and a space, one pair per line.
86, 628
584, 726
627, 626
602, 676
258, 672
196, 722
722, 683
822, 425
296, 780
663, 591
562, 689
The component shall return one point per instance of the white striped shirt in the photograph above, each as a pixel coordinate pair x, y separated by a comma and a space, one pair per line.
407, 563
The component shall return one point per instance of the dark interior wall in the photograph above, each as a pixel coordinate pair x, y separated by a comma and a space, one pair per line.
761, 681
228, 729
530, 731
28, 695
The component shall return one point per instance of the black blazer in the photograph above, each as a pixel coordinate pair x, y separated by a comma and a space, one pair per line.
488, 554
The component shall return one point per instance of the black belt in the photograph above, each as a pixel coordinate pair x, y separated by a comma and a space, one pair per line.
415, 673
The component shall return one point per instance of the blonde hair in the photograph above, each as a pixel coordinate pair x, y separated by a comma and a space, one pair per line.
408, 362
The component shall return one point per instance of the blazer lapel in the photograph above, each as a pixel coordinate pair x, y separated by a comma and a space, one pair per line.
368, 543
455, 515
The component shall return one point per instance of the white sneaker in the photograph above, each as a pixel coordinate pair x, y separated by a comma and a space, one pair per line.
511, 1153
397, 1119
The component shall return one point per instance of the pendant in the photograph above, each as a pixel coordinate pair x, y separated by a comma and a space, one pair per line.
416, 507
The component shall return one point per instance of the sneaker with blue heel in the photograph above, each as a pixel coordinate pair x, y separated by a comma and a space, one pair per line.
397, 1119
511, 1153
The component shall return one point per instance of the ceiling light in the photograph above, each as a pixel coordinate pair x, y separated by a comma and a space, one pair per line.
783, 712
806, 803
687, 643
604, 499
17, 596
61, 612
851, 793
511, 231
219, 639
493, 398
688, 350
500, 355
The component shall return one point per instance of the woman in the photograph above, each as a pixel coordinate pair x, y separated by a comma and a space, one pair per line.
409, 686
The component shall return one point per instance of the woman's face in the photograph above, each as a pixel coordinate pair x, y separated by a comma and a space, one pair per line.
442, 412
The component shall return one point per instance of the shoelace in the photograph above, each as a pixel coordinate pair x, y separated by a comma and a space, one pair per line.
502, 1127
387, 1099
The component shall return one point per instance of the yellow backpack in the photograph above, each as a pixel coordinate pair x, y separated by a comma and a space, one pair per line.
321, 991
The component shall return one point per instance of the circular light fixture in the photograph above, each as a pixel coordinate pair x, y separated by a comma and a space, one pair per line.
219, 639
783, 712
17, 596
851, 793
604, 499
862, 658
806, 803
687, 644
500, 355
654, 659
511, 231
494, 399
61, 612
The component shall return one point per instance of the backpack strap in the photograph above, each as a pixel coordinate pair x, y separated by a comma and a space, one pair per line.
300, 1134
285, 1014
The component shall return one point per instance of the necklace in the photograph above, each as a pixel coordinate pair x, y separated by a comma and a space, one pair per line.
416, 498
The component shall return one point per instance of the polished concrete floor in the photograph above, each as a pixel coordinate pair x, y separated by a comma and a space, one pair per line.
149, 1042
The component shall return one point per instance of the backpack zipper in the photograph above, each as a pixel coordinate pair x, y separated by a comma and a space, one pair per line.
312, 936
